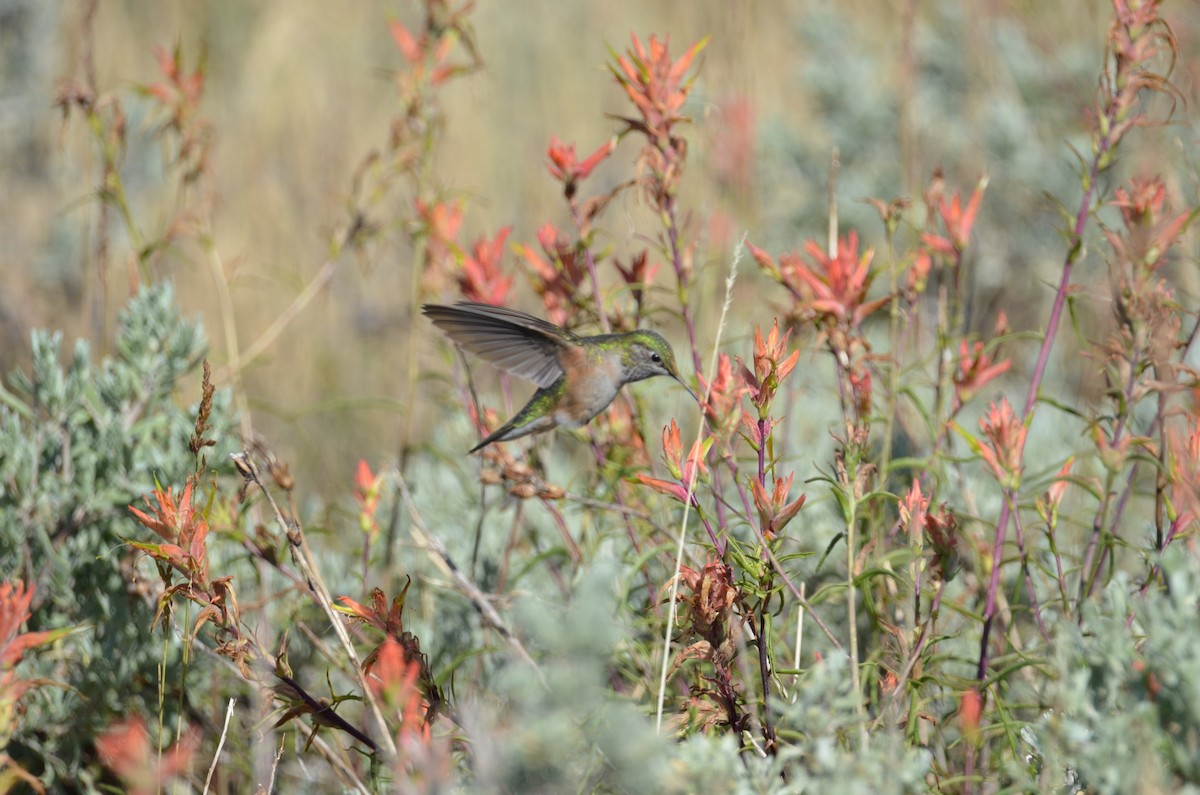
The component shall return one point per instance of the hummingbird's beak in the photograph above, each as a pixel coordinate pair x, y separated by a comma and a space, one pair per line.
683, 383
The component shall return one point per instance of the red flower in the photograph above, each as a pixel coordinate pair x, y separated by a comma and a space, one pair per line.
918, 274
957, 220
638, 274
710, 603
367, 490
183, 528
416, 50
1148, 235
975, 369
1142, 201
673, 454
835, 288
938, 529
14, 610
558, 279
682, 470
970, 710
655, 84
1006, 442
1184, 472
380, 615
439, 223
482, 279
1047, 504
913, 509
412, 50
657, 87
126, 749
722, 395
941, 535
775, 511
1054, 494
180, 89
396, 682
770, 367
565, 168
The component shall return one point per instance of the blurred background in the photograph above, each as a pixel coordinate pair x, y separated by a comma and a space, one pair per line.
298, 92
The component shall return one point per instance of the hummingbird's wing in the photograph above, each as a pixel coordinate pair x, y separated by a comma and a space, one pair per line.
521, 344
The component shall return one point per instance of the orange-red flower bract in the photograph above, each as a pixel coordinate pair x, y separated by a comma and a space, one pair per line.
1006, 443
976, 368
126, 749
710, 603
722, 396
913, 508
183, 528
556, 281
654, 83
1148, 234
957, 220
482, 279
970, 710
941, 535
566, 169
770, 367
775, 511
832, 289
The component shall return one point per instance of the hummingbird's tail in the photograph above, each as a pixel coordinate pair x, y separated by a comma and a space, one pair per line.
533, 418
495, 436
504, 433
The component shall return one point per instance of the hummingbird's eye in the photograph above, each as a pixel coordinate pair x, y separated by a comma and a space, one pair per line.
654, 357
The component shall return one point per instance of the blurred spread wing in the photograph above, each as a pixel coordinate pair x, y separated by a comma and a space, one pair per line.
513, 341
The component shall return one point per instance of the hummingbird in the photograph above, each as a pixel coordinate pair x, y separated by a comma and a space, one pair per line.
577, 377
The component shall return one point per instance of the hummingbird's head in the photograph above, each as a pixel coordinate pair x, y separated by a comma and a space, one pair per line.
648, 354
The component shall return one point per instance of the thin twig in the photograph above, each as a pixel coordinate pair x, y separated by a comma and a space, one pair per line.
303, 559
274, 768
220, 744
441, 558
691, 486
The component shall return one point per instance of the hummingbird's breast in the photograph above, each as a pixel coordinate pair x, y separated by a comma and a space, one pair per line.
593, 378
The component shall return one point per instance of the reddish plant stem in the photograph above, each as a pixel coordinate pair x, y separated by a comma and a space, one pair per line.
717, 543
764, 425
561, 523
1104, 143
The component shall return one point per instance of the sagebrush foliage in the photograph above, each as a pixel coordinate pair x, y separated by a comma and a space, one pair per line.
1122, 698
80, 442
